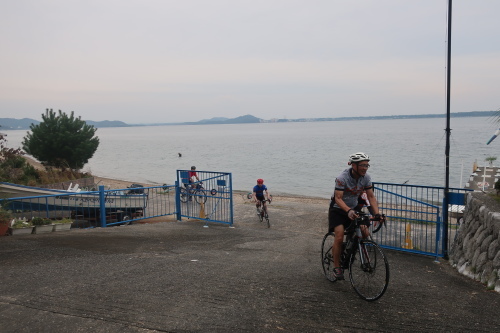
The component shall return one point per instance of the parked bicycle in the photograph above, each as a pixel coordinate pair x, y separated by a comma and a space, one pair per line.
193, 190
262, 211
367, 264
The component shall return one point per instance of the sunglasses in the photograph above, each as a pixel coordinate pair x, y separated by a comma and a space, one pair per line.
366, 166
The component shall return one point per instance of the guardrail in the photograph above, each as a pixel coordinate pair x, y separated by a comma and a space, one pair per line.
415, 217
97, 208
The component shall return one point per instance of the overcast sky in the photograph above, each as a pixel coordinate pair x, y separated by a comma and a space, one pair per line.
147, 61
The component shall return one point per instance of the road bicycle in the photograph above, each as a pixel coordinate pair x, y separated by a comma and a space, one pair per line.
193, 190
367, 264
262, 211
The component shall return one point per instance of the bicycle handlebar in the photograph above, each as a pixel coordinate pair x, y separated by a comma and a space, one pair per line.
365, 219
362, 215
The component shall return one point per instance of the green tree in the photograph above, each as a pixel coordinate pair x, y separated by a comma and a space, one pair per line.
61, 141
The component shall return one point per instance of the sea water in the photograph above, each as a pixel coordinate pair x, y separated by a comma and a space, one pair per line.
301, 158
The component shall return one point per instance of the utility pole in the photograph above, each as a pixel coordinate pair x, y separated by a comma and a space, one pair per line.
448, 133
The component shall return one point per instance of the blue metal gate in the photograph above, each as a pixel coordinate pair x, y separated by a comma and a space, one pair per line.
415, 217
209, 199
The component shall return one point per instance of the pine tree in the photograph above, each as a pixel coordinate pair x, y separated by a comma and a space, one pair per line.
61, 141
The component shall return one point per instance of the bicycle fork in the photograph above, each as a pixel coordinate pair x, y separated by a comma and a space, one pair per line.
364, 257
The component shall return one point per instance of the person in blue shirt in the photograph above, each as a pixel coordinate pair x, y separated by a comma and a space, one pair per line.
260, 194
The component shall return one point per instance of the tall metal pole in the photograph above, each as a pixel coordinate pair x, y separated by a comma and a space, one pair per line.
448, 132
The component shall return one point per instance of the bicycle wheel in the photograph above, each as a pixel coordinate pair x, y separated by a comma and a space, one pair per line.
183, 194
200, 196
327, 257
265, 215
369, 271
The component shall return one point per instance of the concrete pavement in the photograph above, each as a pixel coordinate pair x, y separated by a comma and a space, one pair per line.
182, 277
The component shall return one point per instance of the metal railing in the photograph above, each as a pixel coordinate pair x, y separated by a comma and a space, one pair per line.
415, 217
210, 199
97, 208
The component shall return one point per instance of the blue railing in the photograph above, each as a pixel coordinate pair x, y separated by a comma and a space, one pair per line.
210, 199
415, 217
95, 208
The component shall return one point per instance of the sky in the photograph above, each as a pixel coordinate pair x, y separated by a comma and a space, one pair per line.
165, 61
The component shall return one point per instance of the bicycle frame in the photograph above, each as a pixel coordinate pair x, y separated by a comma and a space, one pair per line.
263, 211
353, 239
264, 205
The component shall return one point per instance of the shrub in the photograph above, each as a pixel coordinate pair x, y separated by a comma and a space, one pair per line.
21, 223
64, 220
13, 166
5, 216
40, 221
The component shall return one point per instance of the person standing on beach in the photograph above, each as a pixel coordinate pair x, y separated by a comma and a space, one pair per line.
349, 186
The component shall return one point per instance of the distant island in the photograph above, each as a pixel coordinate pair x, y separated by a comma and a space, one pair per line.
249, 119
25, 123
20, 124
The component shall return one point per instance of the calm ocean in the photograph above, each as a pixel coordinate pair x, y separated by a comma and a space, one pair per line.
294, 158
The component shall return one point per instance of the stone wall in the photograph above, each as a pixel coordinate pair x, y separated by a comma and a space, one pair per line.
476, 249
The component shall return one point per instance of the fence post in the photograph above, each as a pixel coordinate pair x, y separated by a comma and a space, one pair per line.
102, 205
178, 200
231, 200
439, 231
445, 223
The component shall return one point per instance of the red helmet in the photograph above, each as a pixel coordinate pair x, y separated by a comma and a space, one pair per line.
260, 181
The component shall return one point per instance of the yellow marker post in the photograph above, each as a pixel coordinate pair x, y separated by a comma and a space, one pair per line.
202, 211
408, 241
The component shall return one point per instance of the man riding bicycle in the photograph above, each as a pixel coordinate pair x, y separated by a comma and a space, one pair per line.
192, 181
193, 176
260, 194
349, 186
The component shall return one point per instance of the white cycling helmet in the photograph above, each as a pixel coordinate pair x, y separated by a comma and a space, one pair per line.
358, 157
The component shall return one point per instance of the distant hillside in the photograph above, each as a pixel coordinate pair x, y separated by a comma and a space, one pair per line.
107, 123
252, 119
238, 120
411, 116
25, 123
244, 119
215, 120
13, 124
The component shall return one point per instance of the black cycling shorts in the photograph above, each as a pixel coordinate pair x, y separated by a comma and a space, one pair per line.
337, 216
